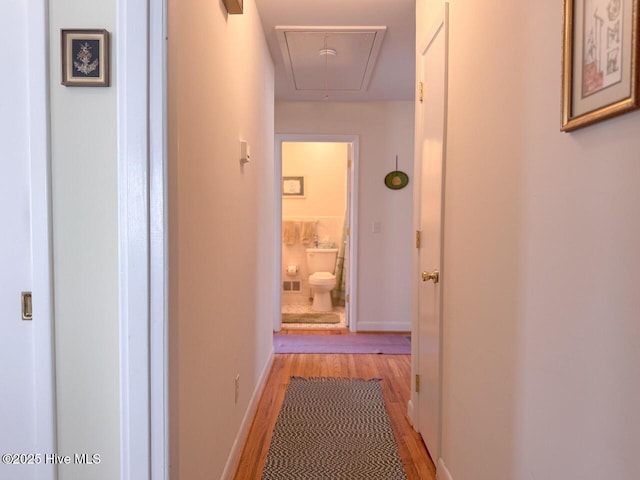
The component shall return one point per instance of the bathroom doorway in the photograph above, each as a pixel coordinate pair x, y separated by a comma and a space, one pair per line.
315, 207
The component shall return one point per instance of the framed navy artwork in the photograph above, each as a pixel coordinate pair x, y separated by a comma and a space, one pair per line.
85, 58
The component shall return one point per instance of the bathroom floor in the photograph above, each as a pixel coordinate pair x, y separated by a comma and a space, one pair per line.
306, 308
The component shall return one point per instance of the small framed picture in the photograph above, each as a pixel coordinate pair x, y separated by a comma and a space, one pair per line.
293, 187
85, 58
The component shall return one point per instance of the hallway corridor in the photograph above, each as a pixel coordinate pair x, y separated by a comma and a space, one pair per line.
395, 371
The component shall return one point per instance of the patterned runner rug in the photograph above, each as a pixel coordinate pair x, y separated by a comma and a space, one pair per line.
333, 428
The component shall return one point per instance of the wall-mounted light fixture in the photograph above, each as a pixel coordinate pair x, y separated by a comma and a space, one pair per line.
233, 6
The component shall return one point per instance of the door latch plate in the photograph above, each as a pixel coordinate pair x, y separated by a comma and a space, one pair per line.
27, 306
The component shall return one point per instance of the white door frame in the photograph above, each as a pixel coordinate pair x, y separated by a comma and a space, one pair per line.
158, 243
41, 235
142, 222
352, 269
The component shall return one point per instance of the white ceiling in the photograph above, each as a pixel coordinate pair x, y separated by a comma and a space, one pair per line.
391, 77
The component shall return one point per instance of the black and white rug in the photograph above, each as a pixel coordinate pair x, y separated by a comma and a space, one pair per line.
333, 428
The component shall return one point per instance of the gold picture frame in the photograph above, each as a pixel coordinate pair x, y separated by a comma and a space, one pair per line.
85, 57
600, 76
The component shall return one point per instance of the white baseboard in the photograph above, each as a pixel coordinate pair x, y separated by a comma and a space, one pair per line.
441, 471
383, 327
410, 413
234, 457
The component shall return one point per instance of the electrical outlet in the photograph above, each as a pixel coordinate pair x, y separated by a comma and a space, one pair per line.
237, 391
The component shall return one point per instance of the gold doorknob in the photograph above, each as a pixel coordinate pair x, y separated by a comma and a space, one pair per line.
435, 276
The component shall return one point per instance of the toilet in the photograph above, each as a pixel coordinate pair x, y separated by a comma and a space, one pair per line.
322, 264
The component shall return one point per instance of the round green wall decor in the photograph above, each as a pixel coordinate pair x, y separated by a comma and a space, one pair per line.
396, 180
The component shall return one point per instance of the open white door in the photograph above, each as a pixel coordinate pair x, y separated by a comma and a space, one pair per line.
26, 403
432, 132
347, 247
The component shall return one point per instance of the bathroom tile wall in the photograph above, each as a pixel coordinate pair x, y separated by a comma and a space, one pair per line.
329, 230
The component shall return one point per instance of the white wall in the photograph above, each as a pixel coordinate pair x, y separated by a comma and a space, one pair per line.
542, 264
384, 259
221, 227
324, 168
85, 250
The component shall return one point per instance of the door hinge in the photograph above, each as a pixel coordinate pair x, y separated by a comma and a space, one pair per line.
417, 383
421, 92
348, 230
349, 163
27, 306
418, 238
347, 298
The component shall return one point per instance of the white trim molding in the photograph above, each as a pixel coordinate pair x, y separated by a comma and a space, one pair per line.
352, 279
41, 232
243, 433
277, 233
141, 92
384, 327
132, 53
441, 471
410, 413
158, 243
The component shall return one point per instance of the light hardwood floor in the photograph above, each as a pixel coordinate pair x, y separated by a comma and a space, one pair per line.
395, 371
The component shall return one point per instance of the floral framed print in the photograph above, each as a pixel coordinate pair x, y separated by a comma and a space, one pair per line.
600, 63
85, 58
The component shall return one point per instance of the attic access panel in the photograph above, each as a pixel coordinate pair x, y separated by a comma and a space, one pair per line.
350, 69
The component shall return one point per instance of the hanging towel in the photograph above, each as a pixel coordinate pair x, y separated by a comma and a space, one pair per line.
288, 233
307, 231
